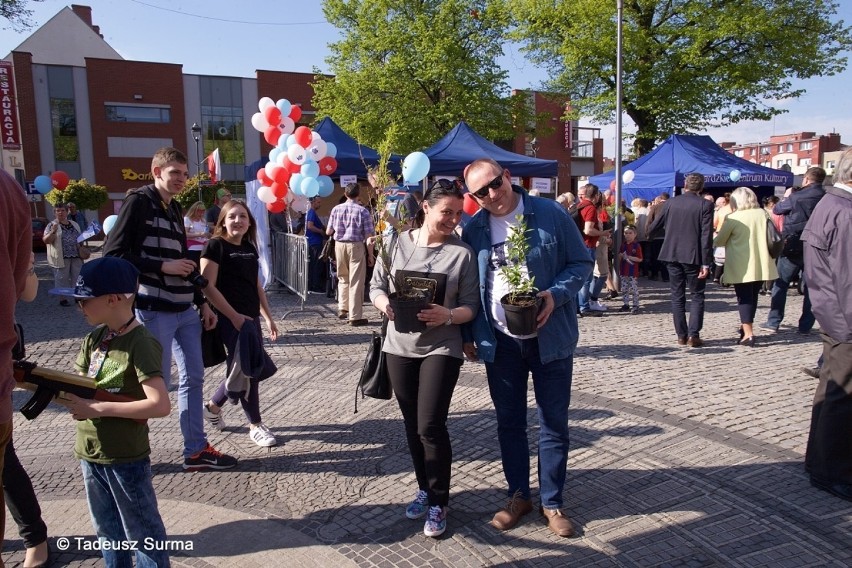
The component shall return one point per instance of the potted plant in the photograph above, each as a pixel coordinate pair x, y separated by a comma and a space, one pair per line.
521, 303
406, 299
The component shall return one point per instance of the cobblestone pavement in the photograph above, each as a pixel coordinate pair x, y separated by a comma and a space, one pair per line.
679, 457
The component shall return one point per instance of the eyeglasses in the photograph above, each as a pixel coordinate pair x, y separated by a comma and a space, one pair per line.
493, 184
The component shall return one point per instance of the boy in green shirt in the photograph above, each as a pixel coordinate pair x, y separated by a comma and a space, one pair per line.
112, 437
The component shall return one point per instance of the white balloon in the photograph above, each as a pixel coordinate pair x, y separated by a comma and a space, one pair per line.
259, 122
269, 167
318, 150
287, 125
315, 135
297, 154
109, 223
264, 193
300, 204
265, 103
628, 176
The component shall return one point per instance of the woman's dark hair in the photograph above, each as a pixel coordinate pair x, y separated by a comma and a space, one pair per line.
440, 189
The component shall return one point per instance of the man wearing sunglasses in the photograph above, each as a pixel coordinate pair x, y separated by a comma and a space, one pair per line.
560, 264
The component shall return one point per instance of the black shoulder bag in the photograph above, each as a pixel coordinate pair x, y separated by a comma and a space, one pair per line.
374, 381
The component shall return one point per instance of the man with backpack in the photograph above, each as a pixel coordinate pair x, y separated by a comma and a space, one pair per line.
797, 207
586, 217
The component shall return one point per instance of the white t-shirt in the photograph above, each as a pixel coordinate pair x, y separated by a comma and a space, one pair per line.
496, 285
195, 243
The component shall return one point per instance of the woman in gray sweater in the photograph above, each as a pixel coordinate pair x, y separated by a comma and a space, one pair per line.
424, 366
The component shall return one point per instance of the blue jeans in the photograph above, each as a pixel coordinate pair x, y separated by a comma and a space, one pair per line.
514, 359
683, 277
123, 508
181, 332
787, 271
585, 293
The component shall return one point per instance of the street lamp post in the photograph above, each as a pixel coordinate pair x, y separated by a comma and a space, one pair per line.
618, 102
196, 135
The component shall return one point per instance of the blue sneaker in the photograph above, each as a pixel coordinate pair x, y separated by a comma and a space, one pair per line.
436, 522
418, 507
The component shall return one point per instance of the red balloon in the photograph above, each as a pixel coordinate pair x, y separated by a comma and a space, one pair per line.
295, 113
327, 166
303, 136
279, 190
272, 115
281, 175
263, 178
275, 207
293, 168
59, 179
272, 134
470, 204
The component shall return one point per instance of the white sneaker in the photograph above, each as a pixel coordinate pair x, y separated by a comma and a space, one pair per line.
261, 436
597, 306
215, 420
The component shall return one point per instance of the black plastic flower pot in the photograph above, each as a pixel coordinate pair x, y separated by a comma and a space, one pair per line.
521, 313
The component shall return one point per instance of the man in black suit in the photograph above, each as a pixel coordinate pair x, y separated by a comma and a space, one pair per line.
687, 251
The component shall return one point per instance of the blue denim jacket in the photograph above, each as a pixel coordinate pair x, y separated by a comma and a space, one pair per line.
560, 263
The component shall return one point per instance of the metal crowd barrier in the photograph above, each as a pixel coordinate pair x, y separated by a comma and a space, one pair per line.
290, 266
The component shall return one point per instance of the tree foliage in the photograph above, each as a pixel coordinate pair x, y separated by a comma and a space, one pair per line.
424, 64
17, 14
83, 194
189, 195
687, 64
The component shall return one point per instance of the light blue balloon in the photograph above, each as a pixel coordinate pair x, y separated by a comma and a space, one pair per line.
415, 166
326, 186
43, 184
284, 106
273, 154
290, 140
109, 223
310, 169
296, 183
331, 150
735, 175
282, 143
310, 187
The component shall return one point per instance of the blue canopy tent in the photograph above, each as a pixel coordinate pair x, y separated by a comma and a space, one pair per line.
462, 145
665, 167
352, 158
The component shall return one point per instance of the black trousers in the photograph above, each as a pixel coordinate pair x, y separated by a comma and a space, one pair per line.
747, 295
683, 277
423, 389
21, 500
829, 455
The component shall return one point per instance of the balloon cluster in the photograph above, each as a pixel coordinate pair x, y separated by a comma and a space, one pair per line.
57, 180
300, 161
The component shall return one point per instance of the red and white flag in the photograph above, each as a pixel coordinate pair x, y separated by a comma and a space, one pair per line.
214, 167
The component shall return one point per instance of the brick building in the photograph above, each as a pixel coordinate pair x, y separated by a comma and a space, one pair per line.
793, 152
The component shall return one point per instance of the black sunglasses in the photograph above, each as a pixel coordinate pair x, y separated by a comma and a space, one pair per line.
443, 184
493, 184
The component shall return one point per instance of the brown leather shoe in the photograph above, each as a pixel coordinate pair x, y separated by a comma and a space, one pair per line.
557, 522
342, 314
681, 341
358, 322
695, 341
507, 517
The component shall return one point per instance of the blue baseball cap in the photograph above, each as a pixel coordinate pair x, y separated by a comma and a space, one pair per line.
102, 276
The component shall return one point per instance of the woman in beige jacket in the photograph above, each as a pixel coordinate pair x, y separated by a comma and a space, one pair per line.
747, 259
63, 254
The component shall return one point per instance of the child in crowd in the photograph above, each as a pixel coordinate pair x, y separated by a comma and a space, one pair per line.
230, 264
112, 437
631, 258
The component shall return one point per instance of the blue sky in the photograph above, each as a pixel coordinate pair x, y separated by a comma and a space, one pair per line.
222, 37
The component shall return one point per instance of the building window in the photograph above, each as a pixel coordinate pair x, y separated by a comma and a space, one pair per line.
789, 147
222, 118
829, 165
805, 162
787, 162
63, 117
738, 153
751, 151
780, 148
133, 113
805, 146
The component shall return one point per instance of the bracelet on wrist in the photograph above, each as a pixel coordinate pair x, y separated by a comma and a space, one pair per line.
450, 320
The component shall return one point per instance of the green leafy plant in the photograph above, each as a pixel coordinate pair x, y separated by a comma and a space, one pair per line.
189, 195
521, 283
85, 195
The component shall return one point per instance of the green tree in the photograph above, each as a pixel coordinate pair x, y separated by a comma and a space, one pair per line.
83, 194
424, 64
189, 195
17, 14
688, 64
